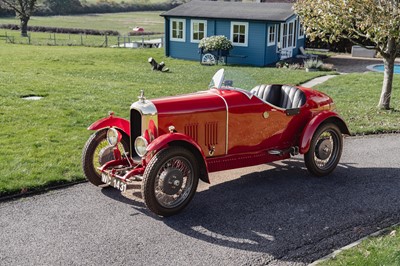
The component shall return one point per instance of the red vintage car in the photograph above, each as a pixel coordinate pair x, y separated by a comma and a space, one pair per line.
170, 143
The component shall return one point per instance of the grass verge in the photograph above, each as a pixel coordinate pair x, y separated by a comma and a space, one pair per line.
378, 250
42, 140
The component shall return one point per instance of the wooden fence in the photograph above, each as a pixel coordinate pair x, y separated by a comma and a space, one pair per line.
59, 39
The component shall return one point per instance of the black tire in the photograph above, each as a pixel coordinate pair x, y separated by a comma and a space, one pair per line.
97, 152
325, 150
170, 181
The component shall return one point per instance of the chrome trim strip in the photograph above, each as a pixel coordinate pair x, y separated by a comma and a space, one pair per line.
227, 119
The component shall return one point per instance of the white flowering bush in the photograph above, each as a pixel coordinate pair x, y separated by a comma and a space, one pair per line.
217, 42
313, 64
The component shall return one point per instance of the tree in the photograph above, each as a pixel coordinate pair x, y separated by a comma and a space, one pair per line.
23, 10
377, 21
63, 7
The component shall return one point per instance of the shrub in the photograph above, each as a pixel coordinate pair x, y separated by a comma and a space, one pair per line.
282, 64
134, 33
313, 63
217, 42
295, 66
101, 7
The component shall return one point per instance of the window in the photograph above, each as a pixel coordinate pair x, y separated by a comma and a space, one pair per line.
288, 36
239, 33
291, 35
177, 28
301, 31
199, 30
271, 35
284, 35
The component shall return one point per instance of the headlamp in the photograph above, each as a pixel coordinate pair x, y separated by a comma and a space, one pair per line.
140, 146
113, 136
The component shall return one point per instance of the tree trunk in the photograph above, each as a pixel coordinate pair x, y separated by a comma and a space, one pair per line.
388, 62
24, 26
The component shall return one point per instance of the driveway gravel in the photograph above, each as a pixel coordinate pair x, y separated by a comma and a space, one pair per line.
275, 214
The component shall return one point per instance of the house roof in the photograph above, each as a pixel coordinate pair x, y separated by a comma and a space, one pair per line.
233, 10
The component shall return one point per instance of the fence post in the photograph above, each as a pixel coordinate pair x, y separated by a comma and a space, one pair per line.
29, 38
55, 42
106, 40
81, 40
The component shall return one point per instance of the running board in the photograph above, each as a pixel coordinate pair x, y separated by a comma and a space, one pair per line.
292, 150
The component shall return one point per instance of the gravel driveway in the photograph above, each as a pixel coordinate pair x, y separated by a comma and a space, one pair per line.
274, 214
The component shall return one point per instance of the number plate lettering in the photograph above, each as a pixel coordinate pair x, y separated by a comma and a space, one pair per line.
114, 182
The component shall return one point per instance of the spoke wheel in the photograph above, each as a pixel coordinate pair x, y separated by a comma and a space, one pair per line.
170, 181
208, 59
325, 150
97, 152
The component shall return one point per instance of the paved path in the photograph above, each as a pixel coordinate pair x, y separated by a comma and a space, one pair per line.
273, 214
317, 81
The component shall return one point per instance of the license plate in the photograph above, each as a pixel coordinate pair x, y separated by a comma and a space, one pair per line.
114, 182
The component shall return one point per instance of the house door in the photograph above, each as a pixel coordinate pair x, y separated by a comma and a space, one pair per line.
287, 39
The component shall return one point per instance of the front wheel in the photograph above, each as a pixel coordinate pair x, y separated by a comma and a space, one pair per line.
97, 152
325, 150
170, 181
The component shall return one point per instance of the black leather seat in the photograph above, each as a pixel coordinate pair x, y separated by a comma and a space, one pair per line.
284, 96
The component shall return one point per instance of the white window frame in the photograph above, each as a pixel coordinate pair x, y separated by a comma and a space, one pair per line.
246, 35
285, 35
301, 30
192, 31
291, 34
171, 30
270, 43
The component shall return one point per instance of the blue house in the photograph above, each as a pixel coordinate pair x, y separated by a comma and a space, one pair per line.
261, 33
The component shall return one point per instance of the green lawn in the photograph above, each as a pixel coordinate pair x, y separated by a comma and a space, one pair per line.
42, 140
121, 22
356, 97
381, 250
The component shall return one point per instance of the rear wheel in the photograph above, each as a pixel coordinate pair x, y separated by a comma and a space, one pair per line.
325, 150
97, 152
170, 181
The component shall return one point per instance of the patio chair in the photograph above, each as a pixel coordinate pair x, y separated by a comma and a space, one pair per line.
304, 55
